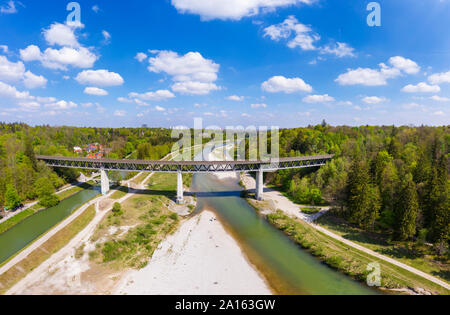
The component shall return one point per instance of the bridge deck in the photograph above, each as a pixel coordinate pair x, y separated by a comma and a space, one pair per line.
186, 166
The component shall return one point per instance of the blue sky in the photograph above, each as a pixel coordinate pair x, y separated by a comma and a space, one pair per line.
284, 63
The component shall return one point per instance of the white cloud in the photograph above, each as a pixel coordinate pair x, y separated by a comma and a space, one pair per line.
363, 76
9, 91
4, 48
9, 8
120, 113
440, 99
278, 84
141, 57
194, 87
140, 103
61, 105
411, 106
340, 50
29, 106
231, 9
60, 58
318, 99
106, 37
95, 8
374, 100
191, 73
61, 34
439, 113
99, 78
31, 53
439, 78
235, 98
159, 95
245, 115
255, 106
404, 64
33, 81
15, 71
11, 71
95, 91
304, 37
160, 109
124, 100
378, 77
421, 88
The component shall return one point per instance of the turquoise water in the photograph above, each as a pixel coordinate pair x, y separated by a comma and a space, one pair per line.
287, 268
24, 233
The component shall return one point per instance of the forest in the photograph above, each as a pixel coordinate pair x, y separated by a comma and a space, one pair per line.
389, 179
23, 178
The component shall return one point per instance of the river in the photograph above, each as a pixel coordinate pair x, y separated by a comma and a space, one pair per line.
287, 268
24, 233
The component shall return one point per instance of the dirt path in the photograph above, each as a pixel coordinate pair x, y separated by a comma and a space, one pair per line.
290, 208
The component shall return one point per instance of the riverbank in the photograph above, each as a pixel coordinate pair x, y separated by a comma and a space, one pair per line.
201, 258
338, 253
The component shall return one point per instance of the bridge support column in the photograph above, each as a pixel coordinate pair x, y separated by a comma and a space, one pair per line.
180, 190
104, 182
260, 185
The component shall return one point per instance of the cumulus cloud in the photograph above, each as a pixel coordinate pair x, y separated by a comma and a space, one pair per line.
300, 35
255, 106
9, 8
231, 9
318, 99
61, 105
99, 78
406, 65
439, 78
278, 84
4, 48
11, 71
33, 81
340, 50
440, 98
374, 100
106, 36
160, 109
421, 88
235, 98
15, 71
70, 52
192, 73
61, 34
120, 113
141, 57
95, 91
9, 91
159, 95
304, 37
378, 77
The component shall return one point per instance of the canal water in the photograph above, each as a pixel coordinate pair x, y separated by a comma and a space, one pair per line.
24, 233
287, 268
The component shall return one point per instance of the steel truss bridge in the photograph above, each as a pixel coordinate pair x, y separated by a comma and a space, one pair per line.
259, 167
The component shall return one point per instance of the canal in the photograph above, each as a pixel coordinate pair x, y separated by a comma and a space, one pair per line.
24, 233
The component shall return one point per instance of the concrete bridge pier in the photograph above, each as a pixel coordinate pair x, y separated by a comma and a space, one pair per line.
260, 185
104, 182
180, 190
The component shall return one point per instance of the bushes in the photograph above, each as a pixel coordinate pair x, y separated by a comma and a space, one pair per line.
117, 209
49, 201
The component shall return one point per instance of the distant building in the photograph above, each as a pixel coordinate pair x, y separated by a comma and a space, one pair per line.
77, 150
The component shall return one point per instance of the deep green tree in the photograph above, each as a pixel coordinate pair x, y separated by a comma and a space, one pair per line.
406, 210
363, 198
12, 198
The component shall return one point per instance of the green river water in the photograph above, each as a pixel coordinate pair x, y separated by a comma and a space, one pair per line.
287, 268
24, 233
